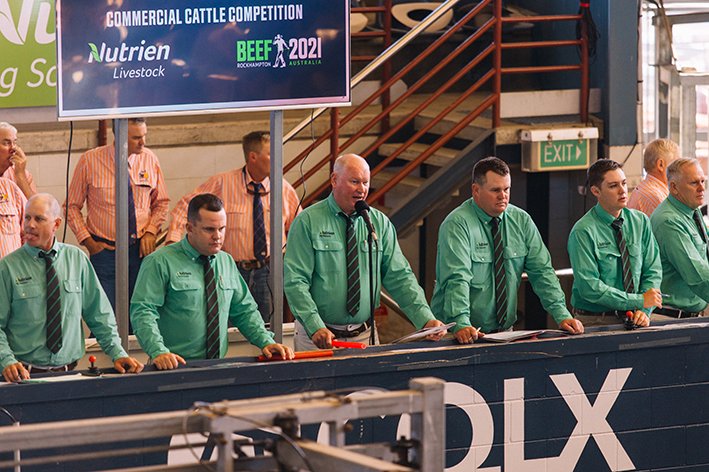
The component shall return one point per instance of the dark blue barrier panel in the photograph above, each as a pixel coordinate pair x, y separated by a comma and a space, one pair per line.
607, 400
142, 57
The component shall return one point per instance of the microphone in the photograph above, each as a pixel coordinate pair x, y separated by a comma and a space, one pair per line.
362, 209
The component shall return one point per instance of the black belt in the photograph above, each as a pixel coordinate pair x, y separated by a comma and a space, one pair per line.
252, 264
131, 240
60, 368
674, 313
616, 313
342, 333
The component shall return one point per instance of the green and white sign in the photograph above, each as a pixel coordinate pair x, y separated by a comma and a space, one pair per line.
547, 150
565, 153
28, 72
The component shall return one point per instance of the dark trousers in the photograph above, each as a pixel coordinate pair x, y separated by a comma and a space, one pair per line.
257, 281
104, 264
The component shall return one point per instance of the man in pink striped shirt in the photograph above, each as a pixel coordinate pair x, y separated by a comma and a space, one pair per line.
13, 162
237, 189
94, 184
653, 189
12, 214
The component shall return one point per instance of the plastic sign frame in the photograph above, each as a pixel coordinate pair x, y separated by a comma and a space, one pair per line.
177, 57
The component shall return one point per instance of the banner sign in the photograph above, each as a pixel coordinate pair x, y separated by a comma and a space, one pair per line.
28, 74
148, 57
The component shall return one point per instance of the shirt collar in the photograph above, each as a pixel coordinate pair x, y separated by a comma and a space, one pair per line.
681, 207
334, 207
34, 251
266, 182
189, 249
606, 217
480, 213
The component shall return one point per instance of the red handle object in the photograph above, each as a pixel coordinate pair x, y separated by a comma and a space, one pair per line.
348, 344
299, 355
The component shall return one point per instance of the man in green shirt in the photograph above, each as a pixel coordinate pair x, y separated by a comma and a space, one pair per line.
187, 292
484, 245
43, 270
318, 265
682, 236
614, 255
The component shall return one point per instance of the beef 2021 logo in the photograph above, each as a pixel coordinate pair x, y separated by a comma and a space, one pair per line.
279, 52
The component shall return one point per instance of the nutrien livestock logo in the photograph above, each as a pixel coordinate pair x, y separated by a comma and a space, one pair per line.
124, 53
278, 52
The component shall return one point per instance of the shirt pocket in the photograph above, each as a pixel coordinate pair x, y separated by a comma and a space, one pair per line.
329, 256
514, 263
609, 262
186, 293
9, 221
71, 298
481, 267
227, 288
28, 300
141, 195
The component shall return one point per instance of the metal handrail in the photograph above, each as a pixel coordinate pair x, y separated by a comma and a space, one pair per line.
379, 61
493, 76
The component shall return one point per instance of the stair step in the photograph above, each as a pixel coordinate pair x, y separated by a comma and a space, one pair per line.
439, 158
470, 132
385, 176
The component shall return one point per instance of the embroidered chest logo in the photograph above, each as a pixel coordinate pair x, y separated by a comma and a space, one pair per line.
325, 234
604, 244
143, 175
4, 198
183, 274
482, 245
22, 280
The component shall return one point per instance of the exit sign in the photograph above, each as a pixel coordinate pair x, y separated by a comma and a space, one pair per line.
550, 150
571, 152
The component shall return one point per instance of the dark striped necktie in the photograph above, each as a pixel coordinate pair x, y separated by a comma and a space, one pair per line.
259, 224
210, 294
628, 284
54, 303
353, 288
701, 228
500, 274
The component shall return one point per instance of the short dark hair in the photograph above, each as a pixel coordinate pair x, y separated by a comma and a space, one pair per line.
492, 163
598, 171
254, 141
208, 201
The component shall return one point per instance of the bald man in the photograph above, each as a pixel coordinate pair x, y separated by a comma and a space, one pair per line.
46, 288
327, 286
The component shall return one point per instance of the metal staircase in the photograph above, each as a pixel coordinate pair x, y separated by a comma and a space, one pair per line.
427, 139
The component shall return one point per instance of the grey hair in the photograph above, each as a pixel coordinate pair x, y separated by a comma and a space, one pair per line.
342, 161
6, 125
55, 210
674, 170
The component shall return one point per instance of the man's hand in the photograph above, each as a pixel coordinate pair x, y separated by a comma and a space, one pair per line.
18, 160
322, 338
572, 325
15, 372
168, 361
651, 298
435, 336
147, 244
468, 335
640, 318
281, 349
128, 364
94, 247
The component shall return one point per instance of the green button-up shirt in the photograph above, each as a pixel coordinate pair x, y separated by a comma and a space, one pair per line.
598, 270
465, 280
315, 275
23, 308
168, 309
685, 270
